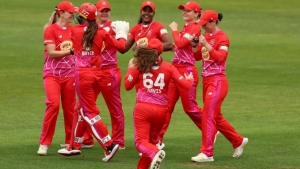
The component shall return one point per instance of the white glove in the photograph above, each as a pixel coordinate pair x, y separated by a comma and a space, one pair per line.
121, 28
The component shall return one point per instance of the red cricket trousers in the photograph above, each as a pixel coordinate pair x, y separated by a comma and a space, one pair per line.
110, 83
56, 89
215, 89
148, 122
88, 88
188, 98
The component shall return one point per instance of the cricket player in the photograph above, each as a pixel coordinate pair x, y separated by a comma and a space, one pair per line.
153, 75
88, 44
111, 79
147, 29
58, 73
212, 49
184, 61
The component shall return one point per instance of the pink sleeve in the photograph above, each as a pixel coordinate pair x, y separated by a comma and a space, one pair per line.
131, 78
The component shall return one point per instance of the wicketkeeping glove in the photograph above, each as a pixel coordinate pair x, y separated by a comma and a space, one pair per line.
121, 28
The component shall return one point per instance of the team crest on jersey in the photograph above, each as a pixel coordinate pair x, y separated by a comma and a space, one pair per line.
130, 78
205, 53
212, 42
149, 32
66, 45
142, 42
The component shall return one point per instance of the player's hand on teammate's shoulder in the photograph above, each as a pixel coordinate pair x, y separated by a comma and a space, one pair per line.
189, 77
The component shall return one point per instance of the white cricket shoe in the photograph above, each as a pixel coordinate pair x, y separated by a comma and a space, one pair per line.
202, 158
43, 150
82, 146
109, 154
66, 152
157, 159
239, 151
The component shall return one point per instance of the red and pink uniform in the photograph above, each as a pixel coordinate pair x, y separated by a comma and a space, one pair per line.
87, 79
58, 83
154, 30
110, 85
151, 105
215, 88
184, 61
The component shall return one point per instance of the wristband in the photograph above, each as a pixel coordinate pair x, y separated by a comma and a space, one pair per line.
71, 51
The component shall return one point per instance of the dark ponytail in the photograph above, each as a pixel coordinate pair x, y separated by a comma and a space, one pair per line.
89, 35
220, 17
140, 20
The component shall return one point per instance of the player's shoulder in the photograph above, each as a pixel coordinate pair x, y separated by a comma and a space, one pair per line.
222, 36
165, 65
222, 33
137, 26
157, 24
51, 27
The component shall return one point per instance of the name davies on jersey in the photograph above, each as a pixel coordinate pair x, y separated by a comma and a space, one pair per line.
151, 90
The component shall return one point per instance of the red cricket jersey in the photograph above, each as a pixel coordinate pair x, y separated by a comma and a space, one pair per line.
87, 57
153, 86
143, 33
109, 52
183, 47
214, 61
60, 37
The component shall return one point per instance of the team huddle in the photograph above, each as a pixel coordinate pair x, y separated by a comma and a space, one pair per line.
81, 60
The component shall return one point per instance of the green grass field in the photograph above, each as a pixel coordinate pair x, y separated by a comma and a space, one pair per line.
263, 102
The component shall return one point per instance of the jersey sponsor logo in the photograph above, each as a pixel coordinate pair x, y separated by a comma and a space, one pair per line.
205, 53
60, 36
181, 77
142, 42
66, 45
163, 31
224, 48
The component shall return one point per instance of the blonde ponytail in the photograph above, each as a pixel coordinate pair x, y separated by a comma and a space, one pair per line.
52, 20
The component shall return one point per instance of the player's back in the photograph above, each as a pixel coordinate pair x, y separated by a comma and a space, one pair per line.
154, 84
